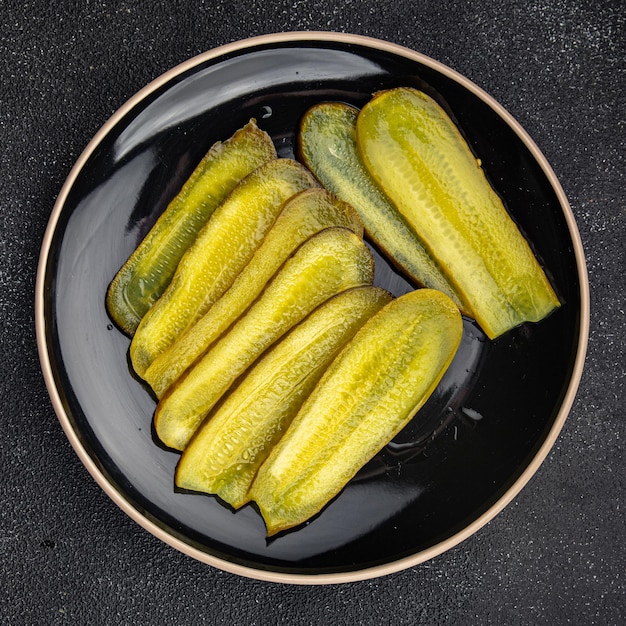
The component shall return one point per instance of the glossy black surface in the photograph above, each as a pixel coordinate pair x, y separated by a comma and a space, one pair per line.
491, 412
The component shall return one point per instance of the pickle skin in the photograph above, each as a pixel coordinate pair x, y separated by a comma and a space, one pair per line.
221, 250
419, 158
226, 451
306, 213
329, 262
372, 389
149, 269
327, 145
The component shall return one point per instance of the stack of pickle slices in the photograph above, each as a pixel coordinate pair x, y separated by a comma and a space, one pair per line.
279, 368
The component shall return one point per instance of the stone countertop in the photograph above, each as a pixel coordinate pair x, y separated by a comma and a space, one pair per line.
554, 556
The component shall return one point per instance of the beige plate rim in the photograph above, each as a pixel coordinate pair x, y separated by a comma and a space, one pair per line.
266, 575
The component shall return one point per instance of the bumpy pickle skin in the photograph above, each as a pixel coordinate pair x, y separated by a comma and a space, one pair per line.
307, 213
149, 269
221, 250
327, 146
326, 264
371, 390
417, 155
225, 453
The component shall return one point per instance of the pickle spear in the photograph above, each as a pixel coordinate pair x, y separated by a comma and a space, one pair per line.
149, 269
221, 250
419, 158
226, 451
327, 146
303, 215
328, 263
368, 394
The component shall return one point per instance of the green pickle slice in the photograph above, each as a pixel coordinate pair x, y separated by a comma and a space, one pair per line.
327, 146
305, 214
221, 250
371, 390
226, 451
328, 263
419, 158
149, 269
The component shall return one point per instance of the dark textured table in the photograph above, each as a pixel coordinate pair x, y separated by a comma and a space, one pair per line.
554, 556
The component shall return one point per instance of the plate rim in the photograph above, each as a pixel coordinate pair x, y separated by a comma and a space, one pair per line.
290, 577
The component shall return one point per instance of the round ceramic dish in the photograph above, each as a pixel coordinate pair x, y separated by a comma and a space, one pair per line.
481, 436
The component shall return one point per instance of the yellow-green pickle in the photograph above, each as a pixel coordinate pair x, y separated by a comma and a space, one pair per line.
149, 269
419, 158
221, 250
327, 146
328, 263
225, 453
305, 214
368, 394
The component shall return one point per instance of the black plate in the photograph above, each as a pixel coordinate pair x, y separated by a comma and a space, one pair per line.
494, 416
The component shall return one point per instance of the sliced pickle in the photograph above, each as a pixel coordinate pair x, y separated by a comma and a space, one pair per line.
419, 158
149, 269
225, 453
368, 394
305, 214
329, 262
327, 146
221, 250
